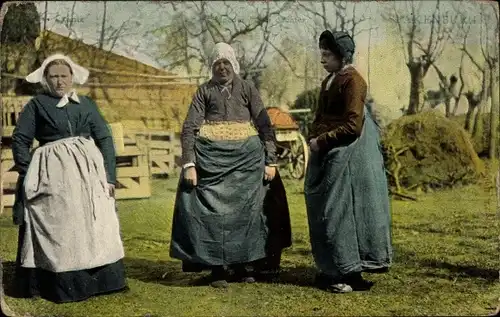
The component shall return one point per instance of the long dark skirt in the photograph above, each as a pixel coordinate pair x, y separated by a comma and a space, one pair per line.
348, 206
278, 223
68, 286
280, 232
223, 221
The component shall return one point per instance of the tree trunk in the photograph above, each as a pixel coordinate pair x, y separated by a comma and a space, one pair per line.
469, 123
447, 104
494, 121
416, 88
456, 101
477, 131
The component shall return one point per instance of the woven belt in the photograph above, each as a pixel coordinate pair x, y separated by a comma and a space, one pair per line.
225, 131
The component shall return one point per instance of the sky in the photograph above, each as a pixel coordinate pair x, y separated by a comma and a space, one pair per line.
148, 15
144, 16
141, 17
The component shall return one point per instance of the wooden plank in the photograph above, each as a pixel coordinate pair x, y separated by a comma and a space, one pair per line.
8, 200
128, 141
9, 179
133, 189
130, 151
149, 132
159, 152
8, 130
162, 168
9, 175
159, 144
117, 132
134, 171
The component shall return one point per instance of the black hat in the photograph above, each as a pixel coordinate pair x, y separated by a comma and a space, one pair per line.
339, 42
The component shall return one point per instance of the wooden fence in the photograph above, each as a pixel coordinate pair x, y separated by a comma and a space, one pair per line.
132, 174
162, 148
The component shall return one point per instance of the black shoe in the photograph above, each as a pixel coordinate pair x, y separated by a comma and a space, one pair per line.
329, 284
248, 279
219, 284
357, 282
350, 283
218, 278
243, 275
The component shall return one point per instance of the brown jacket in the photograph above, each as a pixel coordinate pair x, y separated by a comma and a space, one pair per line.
339, 118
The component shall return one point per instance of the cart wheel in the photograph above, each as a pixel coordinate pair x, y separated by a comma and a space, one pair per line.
299, 157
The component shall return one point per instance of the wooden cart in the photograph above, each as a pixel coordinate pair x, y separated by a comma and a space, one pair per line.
292, 149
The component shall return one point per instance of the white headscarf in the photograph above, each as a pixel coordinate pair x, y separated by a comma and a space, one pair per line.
223, 50
80, 74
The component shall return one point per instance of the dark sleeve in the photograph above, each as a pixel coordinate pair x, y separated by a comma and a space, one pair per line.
352, 123
192, 123
263, 123
101, 133
22, 138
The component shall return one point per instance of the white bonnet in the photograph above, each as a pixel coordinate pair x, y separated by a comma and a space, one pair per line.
223, 50
80, 74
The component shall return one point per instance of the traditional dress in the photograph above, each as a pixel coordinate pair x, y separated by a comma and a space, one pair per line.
222, 221
346, 187
69, 239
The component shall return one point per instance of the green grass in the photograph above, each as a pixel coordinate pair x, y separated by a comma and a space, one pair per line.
446, 262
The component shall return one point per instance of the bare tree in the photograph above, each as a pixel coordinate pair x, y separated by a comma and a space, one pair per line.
487, 65
421, 47
336, 15
447, 91
328, 15
196, 27
462, 84
491, 55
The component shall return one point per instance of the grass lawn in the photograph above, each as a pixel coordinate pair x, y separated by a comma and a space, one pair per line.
446, 262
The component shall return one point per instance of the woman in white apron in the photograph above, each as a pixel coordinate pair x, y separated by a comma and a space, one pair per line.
69, 238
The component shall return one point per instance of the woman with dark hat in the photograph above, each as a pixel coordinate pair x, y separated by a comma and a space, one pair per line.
346, 187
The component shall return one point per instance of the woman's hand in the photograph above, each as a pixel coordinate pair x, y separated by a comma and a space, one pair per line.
313, 144
190, 176
111, 190
269, 173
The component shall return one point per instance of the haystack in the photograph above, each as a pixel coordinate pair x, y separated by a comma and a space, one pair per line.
433, 152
